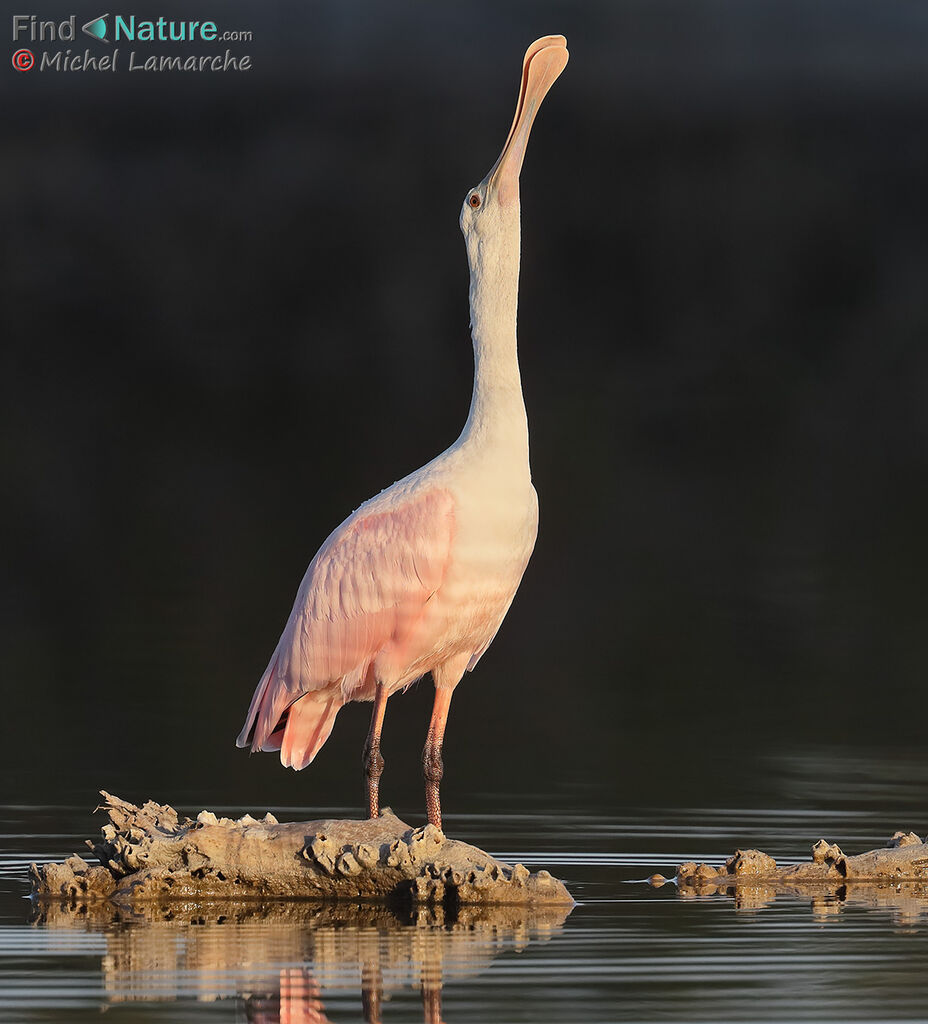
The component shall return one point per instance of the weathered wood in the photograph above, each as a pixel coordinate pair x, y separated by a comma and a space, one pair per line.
148, 854
904, 859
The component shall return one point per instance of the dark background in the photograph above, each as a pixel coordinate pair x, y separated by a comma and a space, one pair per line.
235, 306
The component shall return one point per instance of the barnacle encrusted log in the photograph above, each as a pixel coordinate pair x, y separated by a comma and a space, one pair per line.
148, 854
903, 859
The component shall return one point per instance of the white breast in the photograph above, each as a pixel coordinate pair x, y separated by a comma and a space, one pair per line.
495, 526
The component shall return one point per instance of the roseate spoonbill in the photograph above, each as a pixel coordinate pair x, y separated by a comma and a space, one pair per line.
420, 577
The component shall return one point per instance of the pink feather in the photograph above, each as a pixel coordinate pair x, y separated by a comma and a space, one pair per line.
358, 614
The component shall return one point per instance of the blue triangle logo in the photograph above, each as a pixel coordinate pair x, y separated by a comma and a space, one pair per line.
96, 28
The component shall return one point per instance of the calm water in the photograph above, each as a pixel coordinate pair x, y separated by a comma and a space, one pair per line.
626, 952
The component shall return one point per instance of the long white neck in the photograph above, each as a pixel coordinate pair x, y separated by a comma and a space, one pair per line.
497, 410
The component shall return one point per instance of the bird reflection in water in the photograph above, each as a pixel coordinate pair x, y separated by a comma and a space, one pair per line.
286, 959
299, 999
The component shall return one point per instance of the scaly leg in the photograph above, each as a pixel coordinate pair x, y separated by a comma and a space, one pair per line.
373, 760
432, 766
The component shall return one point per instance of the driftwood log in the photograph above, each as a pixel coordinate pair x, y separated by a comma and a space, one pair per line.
902, 860
149, 854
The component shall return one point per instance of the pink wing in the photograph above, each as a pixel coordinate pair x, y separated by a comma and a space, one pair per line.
354, 621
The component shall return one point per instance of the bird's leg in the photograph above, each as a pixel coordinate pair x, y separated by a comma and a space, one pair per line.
373, 760
432, 766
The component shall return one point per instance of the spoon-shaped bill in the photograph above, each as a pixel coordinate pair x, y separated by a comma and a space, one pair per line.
544, 60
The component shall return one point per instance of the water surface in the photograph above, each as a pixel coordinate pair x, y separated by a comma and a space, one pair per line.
626, 952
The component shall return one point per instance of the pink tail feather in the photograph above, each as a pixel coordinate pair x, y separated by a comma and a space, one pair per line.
246, 736
308, 726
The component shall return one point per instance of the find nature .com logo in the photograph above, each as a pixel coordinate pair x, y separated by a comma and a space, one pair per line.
52, 57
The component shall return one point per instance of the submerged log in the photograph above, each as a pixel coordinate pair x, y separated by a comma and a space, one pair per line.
149, 855
904, 859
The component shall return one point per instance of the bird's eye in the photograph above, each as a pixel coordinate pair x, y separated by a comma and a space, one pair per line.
474, 200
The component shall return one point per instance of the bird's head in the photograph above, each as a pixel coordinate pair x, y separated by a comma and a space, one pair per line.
494, 203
